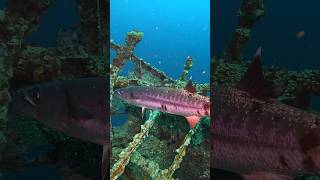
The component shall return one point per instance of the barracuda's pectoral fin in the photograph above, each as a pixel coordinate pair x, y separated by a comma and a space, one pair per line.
265, 176
190, 88
142, 112
193, 120
254, 83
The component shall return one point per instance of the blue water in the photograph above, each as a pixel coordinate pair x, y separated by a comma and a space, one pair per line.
48, 172
276, 32
2, 3
60, 14
118, 120
172, 31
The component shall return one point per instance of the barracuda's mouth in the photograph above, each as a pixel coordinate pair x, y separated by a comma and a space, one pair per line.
118, 92
30, 101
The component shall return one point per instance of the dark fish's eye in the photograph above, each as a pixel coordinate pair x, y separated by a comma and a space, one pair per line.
36, 95
132, 96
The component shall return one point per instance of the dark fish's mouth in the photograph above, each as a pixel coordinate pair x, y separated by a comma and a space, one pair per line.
30, 101
119, 93
21, 105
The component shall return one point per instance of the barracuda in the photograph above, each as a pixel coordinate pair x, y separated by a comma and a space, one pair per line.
183, 102
256, 136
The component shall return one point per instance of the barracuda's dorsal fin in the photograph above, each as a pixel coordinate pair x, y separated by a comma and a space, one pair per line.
254, 82
190, 88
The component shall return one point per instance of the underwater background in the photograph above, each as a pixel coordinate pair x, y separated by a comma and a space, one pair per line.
162, 35
277, 34
172, 31
61, 14
58, 38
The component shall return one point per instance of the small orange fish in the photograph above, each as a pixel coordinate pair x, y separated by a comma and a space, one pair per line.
300, 34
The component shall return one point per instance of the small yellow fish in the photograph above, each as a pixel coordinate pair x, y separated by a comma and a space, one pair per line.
300, 34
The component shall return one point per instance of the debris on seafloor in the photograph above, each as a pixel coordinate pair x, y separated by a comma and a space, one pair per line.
127, 158
124, 156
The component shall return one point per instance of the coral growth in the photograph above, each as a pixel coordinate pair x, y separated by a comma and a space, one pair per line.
124, 156
229, 67
14, 26
5, 75
158, 150
186, 69
249, 13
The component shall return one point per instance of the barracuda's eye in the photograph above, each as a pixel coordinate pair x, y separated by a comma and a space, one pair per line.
32, 96
36, 95
132, 95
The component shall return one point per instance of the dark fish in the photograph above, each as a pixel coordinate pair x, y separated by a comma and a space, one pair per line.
76, 107
258, 137
182, 102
